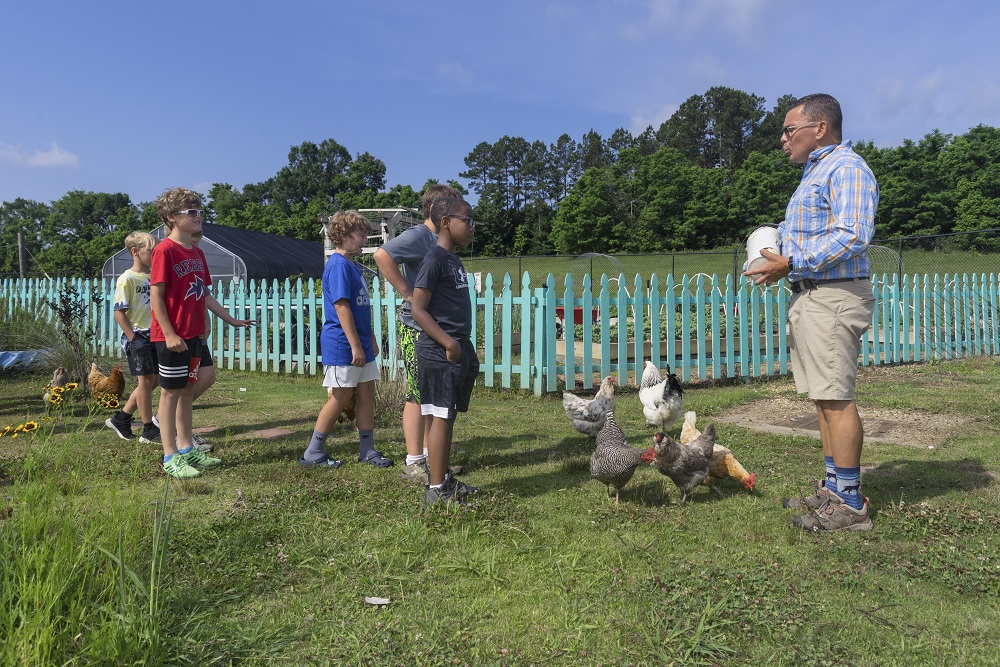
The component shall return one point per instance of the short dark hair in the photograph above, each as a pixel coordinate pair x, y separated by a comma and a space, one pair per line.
820, 106
434, 193
447, 206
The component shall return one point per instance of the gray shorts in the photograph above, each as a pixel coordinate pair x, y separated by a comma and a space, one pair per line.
825, 326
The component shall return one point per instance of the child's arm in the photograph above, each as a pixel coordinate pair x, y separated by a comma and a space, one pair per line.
390, 271
124, 324
421, 299
343, 307
216, 307
159, 307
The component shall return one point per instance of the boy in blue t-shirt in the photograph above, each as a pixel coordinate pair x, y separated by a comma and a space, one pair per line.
447, 365
348, 344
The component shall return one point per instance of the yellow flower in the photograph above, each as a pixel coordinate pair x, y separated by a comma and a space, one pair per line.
55, 398
30, 426
72, 385
5, 431
58, 390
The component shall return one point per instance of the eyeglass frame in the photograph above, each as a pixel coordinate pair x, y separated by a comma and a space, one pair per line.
193, 212
788, 130
467, 218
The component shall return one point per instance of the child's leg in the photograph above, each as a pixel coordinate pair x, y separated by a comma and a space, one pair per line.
182, 417
413, 430
206, 378
169, 399
143, 395
365, 421
328, 415
438, 441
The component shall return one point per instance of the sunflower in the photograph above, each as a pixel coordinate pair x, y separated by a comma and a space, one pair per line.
30, 426
55, 399
72, 385
58, 390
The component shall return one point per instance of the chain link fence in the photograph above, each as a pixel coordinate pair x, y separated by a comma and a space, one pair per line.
961, 252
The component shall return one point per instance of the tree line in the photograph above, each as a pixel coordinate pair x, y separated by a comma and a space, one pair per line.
707, 177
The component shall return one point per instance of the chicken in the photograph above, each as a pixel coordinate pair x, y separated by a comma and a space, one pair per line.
59, 379
99, 383
686, 465
662, 398
723, 464
588, 415
613, 461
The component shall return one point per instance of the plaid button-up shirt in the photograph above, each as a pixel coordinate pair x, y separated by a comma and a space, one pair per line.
830, 220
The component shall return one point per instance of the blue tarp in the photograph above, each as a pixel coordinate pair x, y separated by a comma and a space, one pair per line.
19, 359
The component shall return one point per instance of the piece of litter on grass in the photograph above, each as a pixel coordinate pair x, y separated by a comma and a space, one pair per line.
930, 446
376, 601
243, 388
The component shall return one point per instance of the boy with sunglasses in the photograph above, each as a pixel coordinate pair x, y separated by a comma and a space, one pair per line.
447, 365
179, 281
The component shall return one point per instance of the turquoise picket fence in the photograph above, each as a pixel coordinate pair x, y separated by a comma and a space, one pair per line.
545, 336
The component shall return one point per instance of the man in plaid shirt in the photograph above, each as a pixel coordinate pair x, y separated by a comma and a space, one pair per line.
824, 241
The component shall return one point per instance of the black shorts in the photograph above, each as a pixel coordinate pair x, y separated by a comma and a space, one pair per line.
141, 354
179, 369
445, 387
206, 355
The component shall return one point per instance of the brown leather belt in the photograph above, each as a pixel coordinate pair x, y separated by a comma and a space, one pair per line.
808, 283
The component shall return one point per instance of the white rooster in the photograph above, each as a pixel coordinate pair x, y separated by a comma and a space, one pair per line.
662, 398
588, 416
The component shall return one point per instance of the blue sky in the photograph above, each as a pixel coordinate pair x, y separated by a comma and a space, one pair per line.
136, 97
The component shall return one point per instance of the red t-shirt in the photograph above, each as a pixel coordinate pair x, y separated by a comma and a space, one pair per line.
185, 274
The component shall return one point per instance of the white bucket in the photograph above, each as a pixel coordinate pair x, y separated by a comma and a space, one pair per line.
763, 237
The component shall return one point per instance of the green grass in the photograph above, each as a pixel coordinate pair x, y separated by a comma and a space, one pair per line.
267, 563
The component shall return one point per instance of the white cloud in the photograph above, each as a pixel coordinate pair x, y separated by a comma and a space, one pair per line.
53, 156
454, 74
746, 19
643, 118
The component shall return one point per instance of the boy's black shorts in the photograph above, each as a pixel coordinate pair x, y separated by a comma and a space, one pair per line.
206, 355
141, 354
445, 387
178, 369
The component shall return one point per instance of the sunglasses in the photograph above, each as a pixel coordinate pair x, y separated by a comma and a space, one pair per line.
789, 130
193, 212
468, 220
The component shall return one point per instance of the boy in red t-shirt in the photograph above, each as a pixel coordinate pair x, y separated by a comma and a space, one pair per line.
178, 284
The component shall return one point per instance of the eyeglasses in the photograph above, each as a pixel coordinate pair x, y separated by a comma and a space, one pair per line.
193, 212
789, 130
468, 220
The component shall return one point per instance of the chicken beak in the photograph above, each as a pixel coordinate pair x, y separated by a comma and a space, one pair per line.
750, 481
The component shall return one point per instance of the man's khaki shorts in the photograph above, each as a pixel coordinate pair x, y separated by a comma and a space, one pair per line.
825, 325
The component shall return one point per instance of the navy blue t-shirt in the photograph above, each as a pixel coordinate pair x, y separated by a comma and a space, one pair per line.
443, 274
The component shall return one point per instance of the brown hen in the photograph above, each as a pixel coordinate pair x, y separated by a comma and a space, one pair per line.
99, 383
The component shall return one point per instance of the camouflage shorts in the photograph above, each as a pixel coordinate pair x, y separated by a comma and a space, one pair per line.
406, 338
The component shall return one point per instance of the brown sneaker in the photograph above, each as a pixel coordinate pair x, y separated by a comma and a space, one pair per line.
813, 501
835, 516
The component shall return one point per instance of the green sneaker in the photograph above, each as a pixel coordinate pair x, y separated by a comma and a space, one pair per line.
198, 458
179, 468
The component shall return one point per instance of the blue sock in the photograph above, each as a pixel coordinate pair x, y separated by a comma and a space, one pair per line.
316, 451
366, 440
185, 450
167, 457
849, 486
831, 473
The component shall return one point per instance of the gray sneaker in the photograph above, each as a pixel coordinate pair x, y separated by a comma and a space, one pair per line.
417, 472
447, 494
200, 444
811, 501
835, 516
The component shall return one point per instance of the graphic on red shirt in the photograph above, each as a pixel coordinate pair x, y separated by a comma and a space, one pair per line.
184, 272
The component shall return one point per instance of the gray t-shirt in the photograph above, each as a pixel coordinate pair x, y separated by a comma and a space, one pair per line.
409, 250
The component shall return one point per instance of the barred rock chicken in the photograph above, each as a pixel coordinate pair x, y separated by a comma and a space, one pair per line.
662, 398
723, 464
614, 462
686, 465
99, 383
588, 415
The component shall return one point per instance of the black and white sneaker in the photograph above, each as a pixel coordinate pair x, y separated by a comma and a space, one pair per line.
124, 431
151, 436
200, 444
